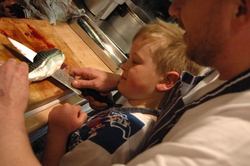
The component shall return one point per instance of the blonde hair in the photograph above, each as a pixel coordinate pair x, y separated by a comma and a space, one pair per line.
168, 47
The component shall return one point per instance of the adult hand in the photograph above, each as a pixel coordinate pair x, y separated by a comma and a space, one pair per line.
14, 93
66, 118
14, 87
94, 79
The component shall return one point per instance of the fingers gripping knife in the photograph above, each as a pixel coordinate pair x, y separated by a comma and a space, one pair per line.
48, 63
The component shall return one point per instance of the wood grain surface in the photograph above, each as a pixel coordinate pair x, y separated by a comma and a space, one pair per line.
38, 35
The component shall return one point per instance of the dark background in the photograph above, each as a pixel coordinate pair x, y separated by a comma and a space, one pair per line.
154, 8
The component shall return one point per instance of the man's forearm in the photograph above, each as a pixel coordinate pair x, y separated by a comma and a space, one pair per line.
14, 143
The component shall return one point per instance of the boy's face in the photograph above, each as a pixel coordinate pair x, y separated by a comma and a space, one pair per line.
139, 76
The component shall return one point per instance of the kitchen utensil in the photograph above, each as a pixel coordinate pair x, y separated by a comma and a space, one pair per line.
45, 57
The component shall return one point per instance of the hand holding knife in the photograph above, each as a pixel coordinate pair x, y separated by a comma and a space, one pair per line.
48, 63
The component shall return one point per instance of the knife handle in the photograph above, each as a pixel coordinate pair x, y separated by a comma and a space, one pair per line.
96, 95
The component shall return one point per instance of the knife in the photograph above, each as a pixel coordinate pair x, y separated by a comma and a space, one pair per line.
41, 60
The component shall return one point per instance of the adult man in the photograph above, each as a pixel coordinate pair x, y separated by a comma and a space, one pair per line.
214, 126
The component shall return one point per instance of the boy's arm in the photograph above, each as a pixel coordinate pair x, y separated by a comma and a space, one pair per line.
54, 148
63, 120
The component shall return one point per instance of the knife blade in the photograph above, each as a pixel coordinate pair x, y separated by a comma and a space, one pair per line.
58, 74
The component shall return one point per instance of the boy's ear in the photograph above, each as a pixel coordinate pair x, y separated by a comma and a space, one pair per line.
168, 82
241, 14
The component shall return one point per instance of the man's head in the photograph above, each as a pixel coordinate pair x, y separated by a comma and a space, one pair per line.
216, 32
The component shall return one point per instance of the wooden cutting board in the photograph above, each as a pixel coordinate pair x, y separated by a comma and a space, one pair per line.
38, 35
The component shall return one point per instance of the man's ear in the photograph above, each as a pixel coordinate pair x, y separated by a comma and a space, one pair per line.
168, 82
241, 14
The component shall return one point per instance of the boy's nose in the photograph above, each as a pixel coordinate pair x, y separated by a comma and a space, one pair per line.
123, 65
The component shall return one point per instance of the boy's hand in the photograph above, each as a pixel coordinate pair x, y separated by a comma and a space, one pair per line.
66, 118
96, 105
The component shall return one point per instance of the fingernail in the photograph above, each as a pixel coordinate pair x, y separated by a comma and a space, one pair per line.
75, 83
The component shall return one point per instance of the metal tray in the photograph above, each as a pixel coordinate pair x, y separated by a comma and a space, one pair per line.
94, 37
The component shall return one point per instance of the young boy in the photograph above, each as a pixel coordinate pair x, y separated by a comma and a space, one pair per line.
118, 134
